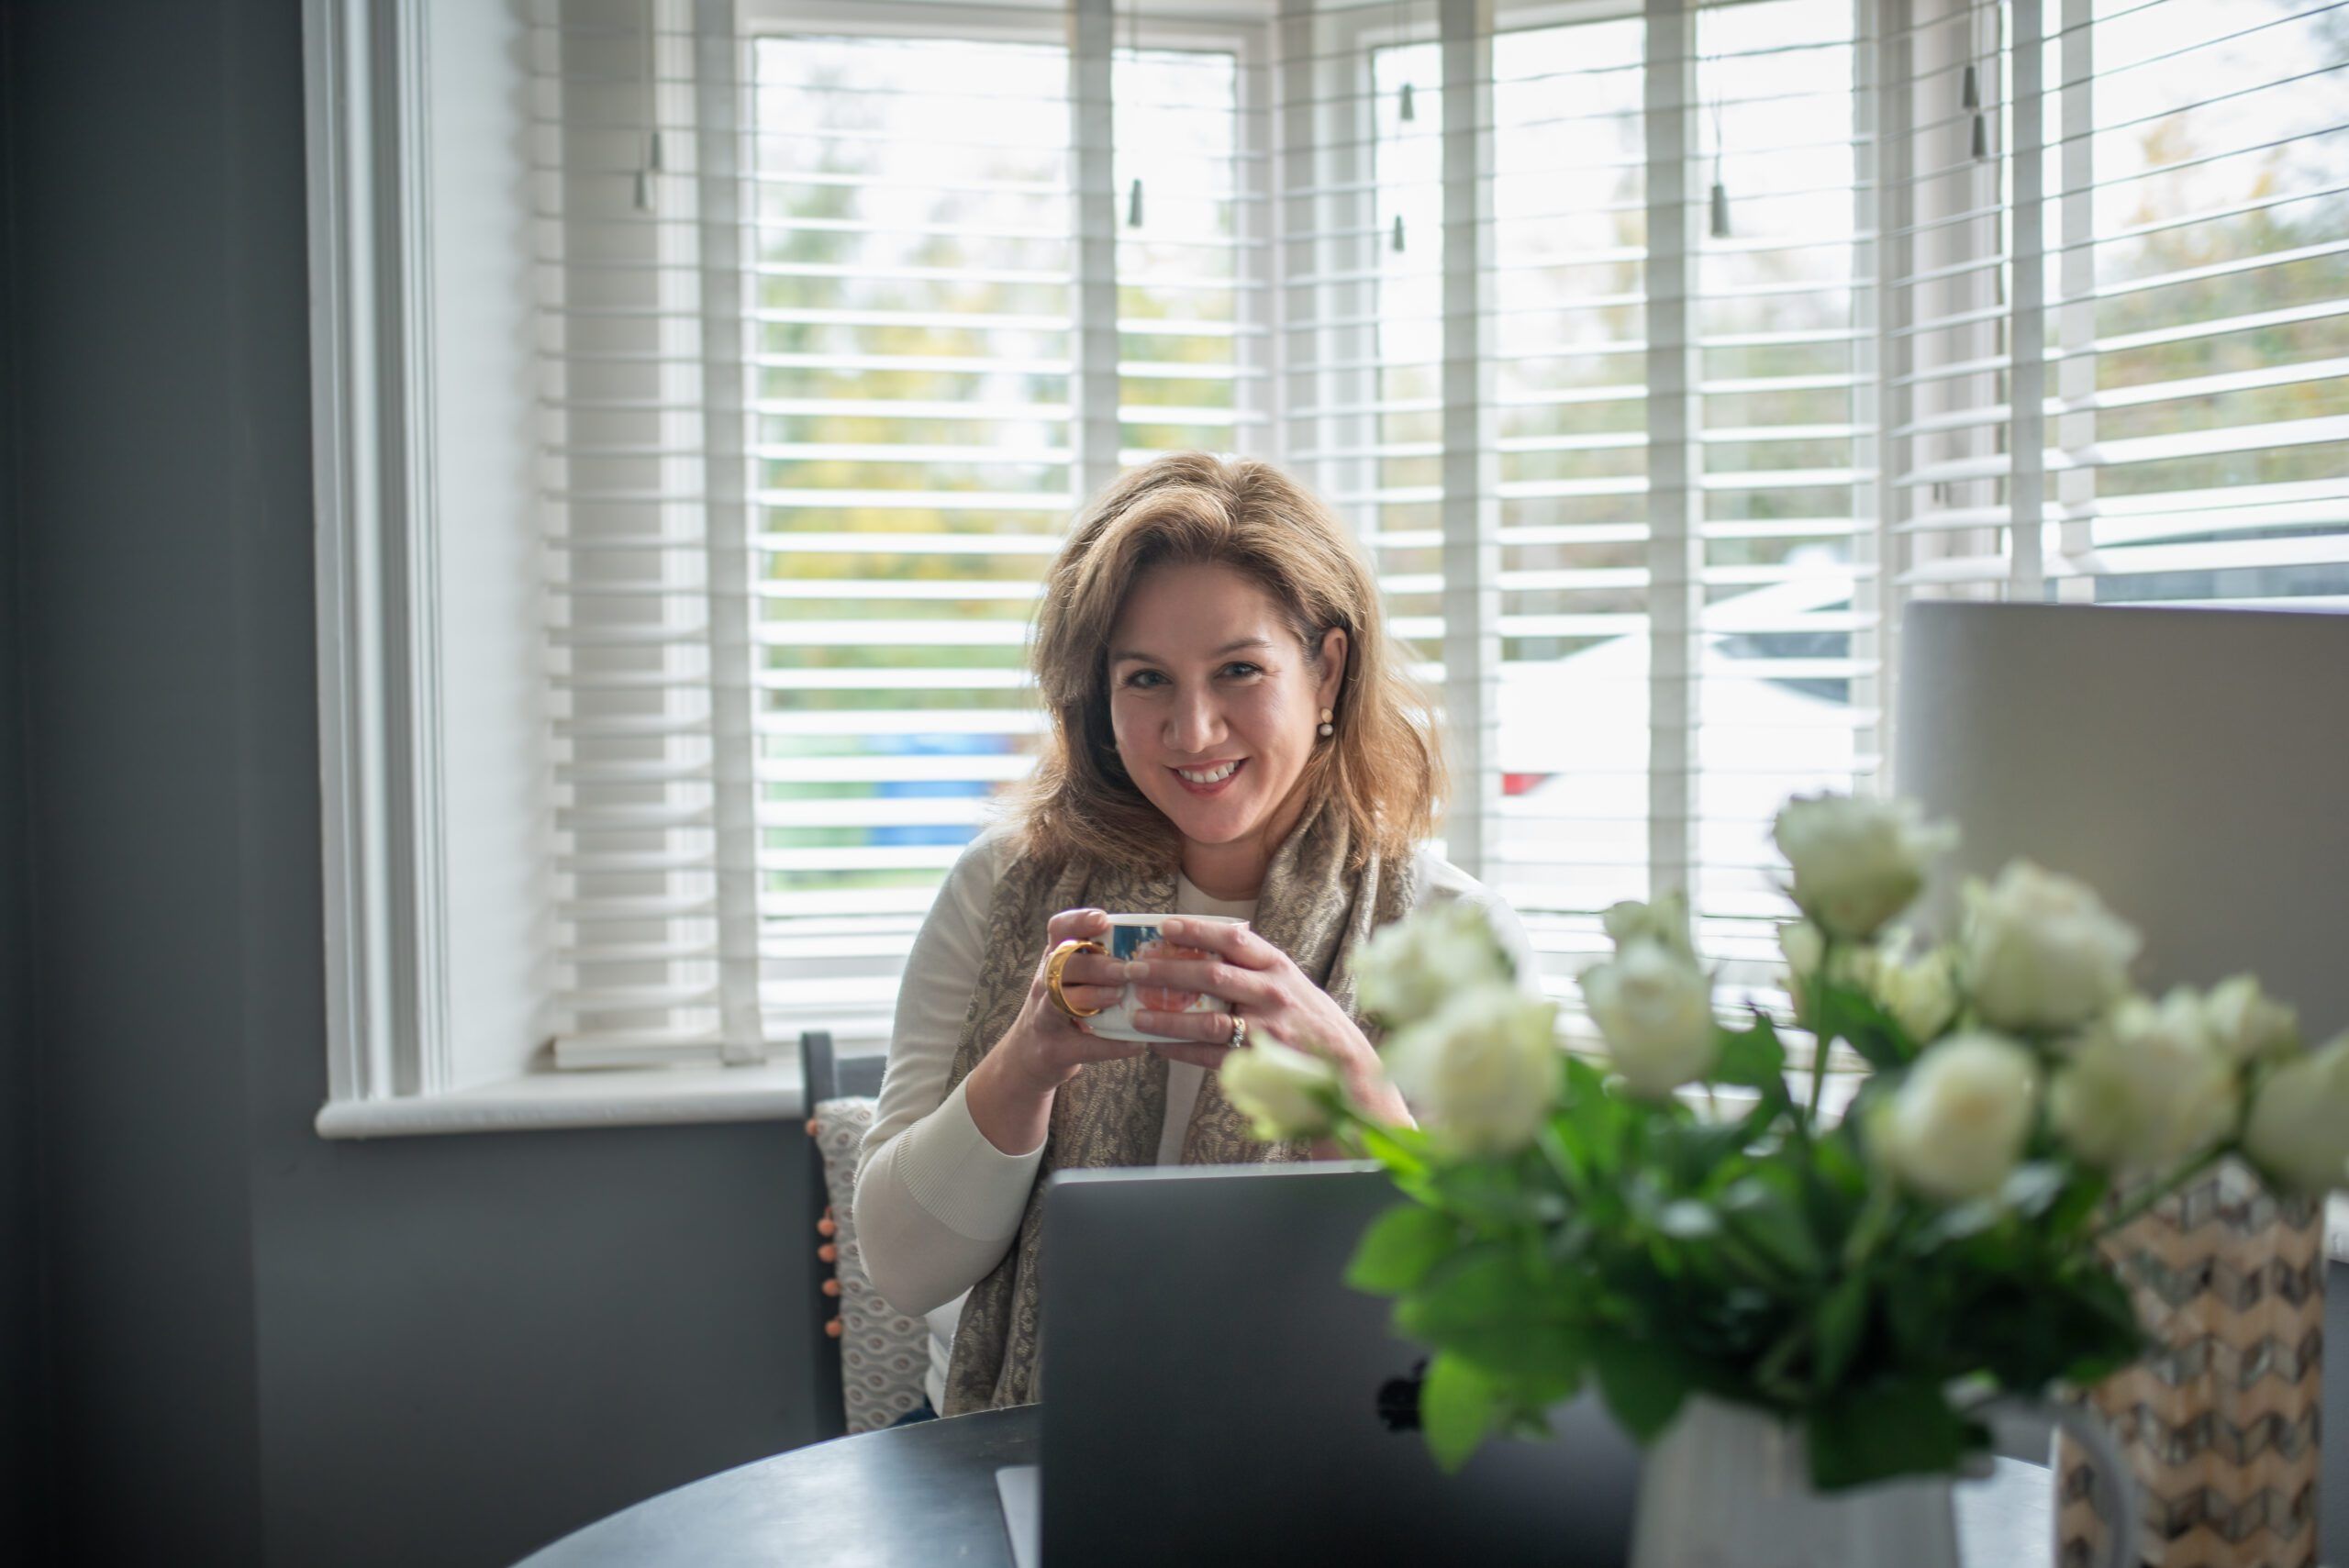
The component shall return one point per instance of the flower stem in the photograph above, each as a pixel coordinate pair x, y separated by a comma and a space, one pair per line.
1813, 985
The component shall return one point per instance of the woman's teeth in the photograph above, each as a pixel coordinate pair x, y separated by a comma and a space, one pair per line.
1211, 775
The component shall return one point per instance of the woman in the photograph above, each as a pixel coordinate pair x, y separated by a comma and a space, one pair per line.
1231, 736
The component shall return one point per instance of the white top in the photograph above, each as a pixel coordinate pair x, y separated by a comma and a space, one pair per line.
937, 1204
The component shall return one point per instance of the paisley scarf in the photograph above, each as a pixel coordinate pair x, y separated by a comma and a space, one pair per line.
1111, 1113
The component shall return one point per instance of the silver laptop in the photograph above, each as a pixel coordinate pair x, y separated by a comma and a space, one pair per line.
1213, 1393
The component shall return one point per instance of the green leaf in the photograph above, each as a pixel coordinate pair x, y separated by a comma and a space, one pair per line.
1763, 1210
1837, 1159
1756, 1059
2079, 1201
1837, 1327
1852, 1015
1400, 1247
1884, 1430
1484, 1305
1917, 1316
1457, 1407
1400, 1150
2109, 1336
1686, 1220
1691, 1152
2032, 1187
1959, 1222
1643, 1383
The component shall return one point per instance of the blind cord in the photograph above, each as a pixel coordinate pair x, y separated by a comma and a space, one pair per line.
1970, 94
1719, 200
1133, 58
647, 75
1406, 110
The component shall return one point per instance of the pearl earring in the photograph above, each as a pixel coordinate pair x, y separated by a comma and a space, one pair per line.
1328, 728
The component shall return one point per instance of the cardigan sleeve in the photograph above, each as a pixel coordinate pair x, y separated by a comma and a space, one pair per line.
937, 1204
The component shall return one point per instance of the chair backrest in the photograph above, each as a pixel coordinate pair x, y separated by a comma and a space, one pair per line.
850, 1327
829, 1077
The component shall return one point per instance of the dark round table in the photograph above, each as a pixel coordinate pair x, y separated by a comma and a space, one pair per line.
912, 1496
926, 1493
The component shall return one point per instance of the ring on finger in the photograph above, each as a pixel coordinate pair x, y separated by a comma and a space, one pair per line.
1239, 1031
1056, 960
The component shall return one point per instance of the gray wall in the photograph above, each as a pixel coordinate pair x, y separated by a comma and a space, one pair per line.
265, 1347
21, 1396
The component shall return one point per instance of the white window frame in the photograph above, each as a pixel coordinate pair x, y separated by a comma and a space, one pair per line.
435, 937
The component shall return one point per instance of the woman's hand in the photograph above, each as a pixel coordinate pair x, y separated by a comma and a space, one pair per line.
1268, 991
1010, 1092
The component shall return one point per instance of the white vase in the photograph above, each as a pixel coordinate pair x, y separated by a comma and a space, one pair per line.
1729, 1486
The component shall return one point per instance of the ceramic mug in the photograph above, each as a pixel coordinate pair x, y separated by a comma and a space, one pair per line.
1133, 937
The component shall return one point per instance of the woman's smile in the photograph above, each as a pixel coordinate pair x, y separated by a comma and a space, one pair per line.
1209, 778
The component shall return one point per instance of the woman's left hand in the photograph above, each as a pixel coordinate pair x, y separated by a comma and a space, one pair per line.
1271, 994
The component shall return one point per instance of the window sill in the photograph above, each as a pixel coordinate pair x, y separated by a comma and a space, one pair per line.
653, 1096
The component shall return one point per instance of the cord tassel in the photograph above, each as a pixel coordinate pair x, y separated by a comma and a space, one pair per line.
1720, 210
1970, 95
644, 189
1409, 114
1398, 233
1981, 138
1133, 204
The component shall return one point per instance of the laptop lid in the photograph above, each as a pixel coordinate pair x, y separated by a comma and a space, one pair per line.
1211, 1392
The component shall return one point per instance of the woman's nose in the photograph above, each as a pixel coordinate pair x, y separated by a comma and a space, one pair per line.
1194, 726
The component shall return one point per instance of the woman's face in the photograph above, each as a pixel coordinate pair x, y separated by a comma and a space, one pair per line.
1215, 705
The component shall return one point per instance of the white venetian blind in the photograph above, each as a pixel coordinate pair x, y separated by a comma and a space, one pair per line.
2128, 302
849, 307
1613, 462
1657, 352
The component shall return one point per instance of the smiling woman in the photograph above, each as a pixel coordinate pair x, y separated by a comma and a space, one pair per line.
1248, 579
1231, 736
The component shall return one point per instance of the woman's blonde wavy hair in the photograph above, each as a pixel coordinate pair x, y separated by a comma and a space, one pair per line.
1384, 766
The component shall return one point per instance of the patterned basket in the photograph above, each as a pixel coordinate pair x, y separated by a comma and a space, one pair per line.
2220, 1420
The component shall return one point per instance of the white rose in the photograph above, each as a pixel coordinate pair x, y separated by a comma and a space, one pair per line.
2298, 1131
1664, 921
2146, 1088
1852, 965
1284, 1093
1955, 1127
2040, 951
2246, 1024
1857, 861
1804, 948
1408, 969
1920, 993
1655, 1007
1483, 1070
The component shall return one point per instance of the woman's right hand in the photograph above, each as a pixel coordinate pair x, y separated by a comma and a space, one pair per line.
1011, 1089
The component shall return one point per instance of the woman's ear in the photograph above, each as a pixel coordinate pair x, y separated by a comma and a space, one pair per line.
1333, 664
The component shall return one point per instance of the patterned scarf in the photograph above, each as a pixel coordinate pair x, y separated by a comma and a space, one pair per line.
1111, 1113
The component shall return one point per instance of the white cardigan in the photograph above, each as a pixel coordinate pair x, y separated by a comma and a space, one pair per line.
937, 1204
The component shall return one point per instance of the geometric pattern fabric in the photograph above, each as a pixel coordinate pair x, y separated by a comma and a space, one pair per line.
2220, 1420
884, 1355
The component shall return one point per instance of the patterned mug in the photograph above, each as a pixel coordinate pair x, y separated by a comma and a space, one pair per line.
1135, 937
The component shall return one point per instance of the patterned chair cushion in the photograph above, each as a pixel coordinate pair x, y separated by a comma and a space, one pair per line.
885, 1354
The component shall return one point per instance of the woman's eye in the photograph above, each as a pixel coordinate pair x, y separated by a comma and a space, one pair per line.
1144, 678
1240, 667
